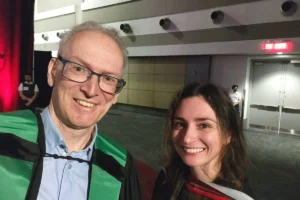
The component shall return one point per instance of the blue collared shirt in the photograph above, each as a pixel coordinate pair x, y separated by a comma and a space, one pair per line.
63, 179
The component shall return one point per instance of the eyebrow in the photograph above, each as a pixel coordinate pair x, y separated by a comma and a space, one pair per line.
196, 119
79, 61
85, 64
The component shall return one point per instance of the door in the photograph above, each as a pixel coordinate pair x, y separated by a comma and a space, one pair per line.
290, 117
265, 95
275, 97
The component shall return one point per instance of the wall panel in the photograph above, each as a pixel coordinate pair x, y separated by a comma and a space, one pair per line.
170, 65
141, 82
140, 98
123, 96
152, 81
168, 83
141, 65
162, 99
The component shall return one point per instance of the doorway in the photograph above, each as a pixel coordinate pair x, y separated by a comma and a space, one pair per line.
274, 99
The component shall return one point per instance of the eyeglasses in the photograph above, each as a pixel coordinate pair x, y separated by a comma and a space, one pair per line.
80, 74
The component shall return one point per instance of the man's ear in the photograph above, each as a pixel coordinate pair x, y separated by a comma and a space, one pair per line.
51, 71
115, 99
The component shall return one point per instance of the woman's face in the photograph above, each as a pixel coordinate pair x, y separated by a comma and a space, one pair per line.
196, 133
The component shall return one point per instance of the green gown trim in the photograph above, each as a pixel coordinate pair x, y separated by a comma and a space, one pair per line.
21, 123
21, 155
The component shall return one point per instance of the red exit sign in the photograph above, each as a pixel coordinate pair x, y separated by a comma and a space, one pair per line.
277, 46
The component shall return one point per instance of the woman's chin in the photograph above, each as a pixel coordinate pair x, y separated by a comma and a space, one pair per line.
191, 163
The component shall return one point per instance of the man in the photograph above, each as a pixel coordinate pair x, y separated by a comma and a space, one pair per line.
28, 92
69, 159
236, 98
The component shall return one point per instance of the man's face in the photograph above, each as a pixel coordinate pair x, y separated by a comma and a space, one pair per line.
81, 105
235, 89
27, 78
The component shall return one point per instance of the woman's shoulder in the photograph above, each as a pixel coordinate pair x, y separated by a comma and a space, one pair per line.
161, 175
238, 195
161, 188
165, 187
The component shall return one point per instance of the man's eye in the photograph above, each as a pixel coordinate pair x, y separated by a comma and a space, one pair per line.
110, 79
78, 69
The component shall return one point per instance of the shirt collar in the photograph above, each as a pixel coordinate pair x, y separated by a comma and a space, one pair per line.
54, 138
29, 83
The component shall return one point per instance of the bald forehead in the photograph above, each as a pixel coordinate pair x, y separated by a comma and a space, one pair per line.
97, 51
93, 36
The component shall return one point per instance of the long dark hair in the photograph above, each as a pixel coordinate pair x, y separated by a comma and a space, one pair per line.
233, 157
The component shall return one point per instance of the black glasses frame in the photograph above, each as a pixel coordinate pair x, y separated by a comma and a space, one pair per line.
64, 62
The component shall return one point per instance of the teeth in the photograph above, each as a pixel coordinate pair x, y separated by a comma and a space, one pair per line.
86, 104
193, 150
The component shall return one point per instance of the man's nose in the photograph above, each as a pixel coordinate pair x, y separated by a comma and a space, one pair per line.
91, 87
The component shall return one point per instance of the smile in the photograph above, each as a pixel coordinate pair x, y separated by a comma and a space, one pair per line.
85, 104
193, 150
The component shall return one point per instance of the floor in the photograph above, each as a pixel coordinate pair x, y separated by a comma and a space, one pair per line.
273, 175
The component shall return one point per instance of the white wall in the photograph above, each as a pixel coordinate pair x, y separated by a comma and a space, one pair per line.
231, 70
246, 14
51, 8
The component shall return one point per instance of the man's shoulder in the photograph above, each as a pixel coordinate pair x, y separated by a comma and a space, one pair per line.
21, 123
17, 116
20, 86
111, 147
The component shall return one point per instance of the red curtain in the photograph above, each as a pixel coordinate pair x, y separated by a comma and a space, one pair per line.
16, 48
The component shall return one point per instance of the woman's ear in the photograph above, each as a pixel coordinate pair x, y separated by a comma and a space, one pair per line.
228, 138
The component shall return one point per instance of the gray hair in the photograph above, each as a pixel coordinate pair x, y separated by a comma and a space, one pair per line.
93, 26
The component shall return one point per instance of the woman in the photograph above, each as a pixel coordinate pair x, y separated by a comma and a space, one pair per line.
205, 149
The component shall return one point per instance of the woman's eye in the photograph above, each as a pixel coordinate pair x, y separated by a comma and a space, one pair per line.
203, 126
178, 125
